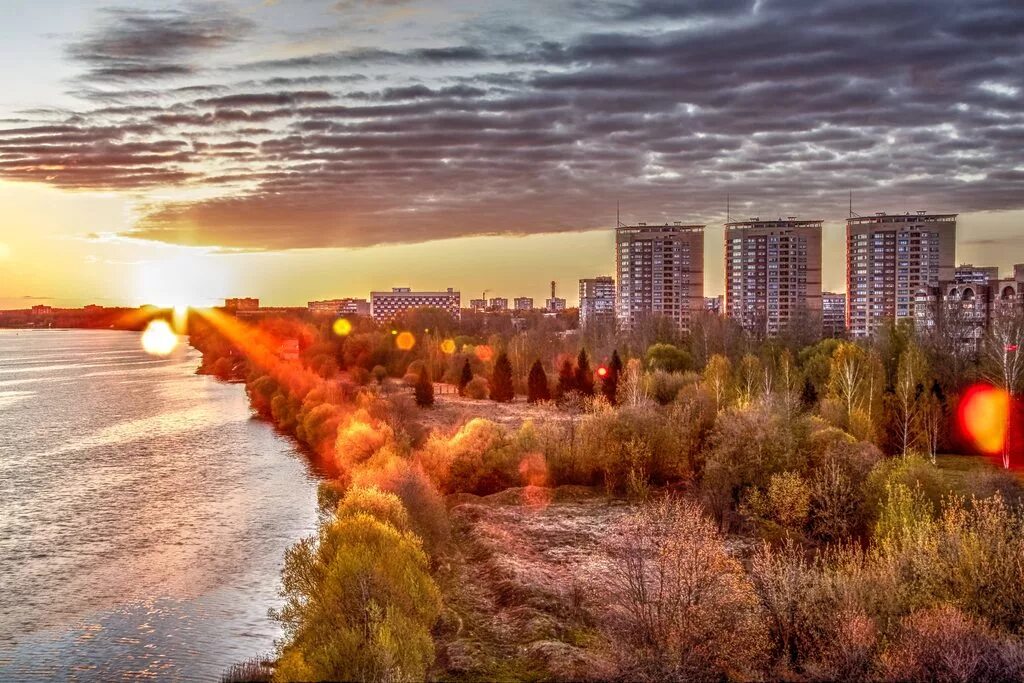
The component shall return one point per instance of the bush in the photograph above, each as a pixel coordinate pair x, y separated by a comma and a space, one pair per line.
379, 373
424, 389
681, 607
477, 388
664, 387
359, 604
479, 458
668, 358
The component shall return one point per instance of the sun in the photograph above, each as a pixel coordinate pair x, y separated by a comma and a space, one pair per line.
159, 339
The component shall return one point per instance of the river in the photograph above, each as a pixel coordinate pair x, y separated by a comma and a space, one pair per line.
144, 514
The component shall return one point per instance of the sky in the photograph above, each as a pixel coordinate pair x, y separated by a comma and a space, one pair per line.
182, 152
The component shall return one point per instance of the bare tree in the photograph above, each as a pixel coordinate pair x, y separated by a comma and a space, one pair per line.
633, 391
910, 375
1004, 366
682, 607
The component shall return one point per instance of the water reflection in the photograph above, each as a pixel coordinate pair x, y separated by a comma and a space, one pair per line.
143, 515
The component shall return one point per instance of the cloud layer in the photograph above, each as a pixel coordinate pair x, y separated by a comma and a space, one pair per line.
665, 106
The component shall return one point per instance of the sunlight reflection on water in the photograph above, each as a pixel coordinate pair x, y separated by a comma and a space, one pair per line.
143, 514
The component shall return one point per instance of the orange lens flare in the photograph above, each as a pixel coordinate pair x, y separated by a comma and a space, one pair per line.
159, 339
602, 371
405, 341
984, 417
448, 346
484, 352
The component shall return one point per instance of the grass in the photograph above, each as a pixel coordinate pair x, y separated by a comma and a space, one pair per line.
966, 474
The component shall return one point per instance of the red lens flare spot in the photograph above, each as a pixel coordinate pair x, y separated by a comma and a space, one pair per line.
602, 371
984, 417
484, 352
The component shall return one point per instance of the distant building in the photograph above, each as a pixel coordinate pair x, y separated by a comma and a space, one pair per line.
974, 275
891, 259
714, 304
42, 310
554, 304
336, 307
773, 274
242, 304
385, 306
523, 303
660, 271
833, 314
597, 301
498, 304
478, 305
965, 307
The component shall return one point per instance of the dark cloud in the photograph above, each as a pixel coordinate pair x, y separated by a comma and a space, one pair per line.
135, 44
784, 105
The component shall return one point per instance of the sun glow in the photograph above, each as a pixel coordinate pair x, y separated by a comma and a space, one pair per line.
159, 339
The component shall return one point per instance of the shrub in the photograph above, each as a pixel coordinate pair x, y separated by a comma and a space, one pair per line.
786, 501
681, 608
359, 604
668, 358
664, 387
379, 373
370, 500
477, 388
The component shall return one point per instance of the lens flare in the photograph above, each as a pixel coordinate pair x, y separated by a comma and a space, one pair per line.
484, 352
342, 327
180, 318
602, 371
159, 339
984, 417
448, 346
405, 341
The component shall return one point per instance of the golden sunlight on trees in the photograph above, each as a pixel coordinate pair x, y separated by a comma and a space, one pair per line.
360, 601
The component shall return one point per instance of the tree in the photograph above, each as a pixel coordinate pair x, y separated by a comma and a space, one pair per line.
465, 378
911, 374
634, 389
681, 606
566, 379
610, 383
359, 599
424, 389
502, 389
1004, 366
668, 358
537, 384
749, 379
584, 374
718, 379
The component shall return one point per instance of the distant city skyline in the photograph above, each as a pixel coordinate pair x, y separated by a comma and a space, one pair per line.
182, 152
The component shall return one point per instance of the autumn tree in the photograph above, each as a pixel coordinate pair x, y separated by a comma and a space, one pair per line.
502, 389
718, 380
911, 373
537, 384
1004, 364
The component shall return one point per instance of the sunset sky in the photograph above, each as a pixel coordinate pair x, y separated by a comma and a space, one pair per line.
297, 149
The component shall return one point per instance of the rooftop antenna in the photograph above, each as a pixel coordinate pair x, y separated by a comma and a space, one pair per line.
853, 214
728, 215
618, 223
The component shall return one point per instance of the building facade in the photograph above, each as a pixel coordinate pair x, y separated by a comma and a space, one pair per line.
833, 314
597, 300
773, 274
523, 303
660, 272
242, 304
498, 304
891, 259
336, 307
386, 306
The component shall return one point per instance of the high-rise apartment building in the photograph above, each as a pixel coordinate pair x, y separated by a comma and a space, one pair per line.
660, 269
773, 274
833, 314
890, 259
335, 307
597, 300
386, 306
498, 303
523, 303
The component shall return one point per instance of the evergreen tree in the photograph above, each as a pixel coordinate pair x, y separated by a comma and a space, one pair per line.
809, 395
465, 378
424, 389
502, 389
537, 384
584, 374
566, 379
610, 383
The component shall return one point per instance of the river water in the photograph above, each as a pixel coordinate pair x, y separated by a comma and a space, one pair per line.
143, 514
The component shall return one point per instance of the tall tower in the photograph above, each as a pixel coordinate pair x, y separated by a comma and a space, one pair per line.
890, 260
660, 272
773, 274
